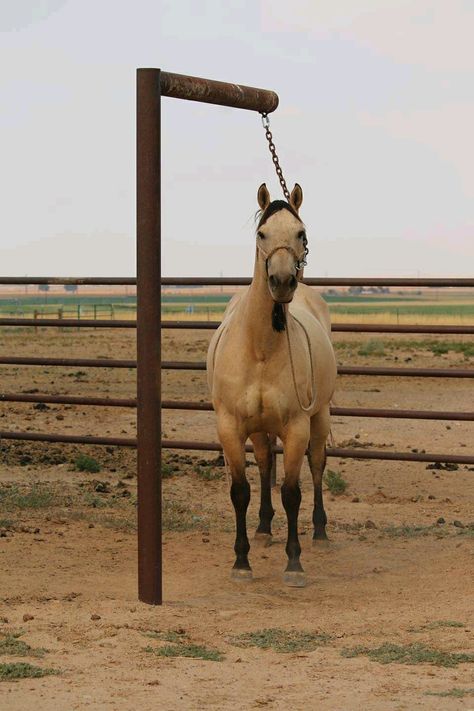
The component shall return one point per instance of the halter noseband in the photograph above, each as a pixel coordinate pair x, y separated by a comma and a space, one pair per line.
300, 262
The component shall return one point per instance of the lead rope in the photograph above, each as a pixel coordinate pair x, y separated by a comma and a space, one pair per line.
313, 395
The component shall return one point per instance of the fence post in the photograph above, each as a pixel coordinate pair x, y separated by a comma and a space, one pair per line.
149, 335
35, 316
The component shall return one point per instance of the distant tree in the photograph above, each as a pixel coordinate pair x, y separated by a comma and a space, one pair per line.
72, 288
43, 287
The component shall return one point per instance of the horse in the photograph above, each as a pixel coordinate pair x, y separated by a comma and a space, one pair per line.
271, 372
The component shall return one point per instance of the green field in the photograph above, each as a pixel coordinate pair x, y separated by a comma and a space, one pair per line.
400, 307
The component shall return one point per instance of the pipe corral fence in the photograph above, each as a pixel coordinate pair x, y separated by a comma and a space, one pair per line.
151, 85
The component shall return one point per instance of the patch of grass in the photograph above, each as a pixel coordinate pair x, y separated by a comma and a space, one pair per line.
23, 670
169, 636
207, 473
167, 470
437, 624
455, 693
334, 482
415, 653
468, 530
94, 501
373, 347
36, 497
84, 463
6, 523
283, 641
193, 651
179, 517
12, 645
117, 523
412, 531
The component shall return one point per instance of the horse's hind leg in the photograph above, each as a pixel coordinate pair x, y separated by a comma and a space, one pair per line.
234, 450
263, 455
320, 425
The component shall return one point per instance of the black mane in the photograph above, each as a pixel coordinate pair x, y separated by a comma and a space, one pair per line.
278, 318
276, 206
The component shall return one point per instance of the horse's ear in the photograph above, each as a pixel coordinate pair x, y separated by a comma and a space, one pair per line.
263, 197
296, 197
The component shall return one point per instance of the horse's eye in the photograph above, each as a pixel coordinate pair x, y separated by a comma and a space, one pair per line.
261, 235
301, 235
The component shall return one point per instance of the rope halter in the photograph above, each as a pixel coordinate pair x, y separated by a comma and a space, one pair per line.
300, 262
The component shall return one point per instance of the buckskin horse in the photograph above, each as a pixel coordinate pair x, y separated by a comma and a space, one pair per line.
272, 372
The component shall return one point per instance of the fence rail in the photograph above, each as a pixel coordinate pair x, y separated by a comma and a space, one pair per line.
201, 365
207, 406
213, 325
459, 282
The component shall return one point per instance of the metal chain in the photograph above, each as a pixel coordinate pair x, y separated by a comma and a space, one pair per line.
276, 162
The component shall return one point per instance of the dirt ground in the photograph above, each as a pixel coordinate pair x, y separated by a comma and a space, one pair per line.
393, 573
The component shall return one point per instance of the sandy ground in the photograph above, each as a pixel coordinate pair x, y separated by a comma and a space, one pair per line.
390, 574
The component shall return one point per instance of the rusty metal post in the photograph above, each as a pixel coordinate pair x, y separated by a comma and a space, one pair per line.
149, 335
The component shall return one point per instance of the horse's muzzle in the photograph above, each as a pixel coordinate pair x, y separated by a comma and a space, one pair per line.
282, 290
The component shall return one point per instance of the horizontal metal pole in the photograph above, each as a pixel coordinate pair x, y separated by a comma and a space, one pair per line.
69, 400
207, 406
325, 281
402, 414
209, 91
340, 327
68, 439
213, 325
68, 323
215, 447
69, 362
244, 281
406, 372
388, 328
86, 281
399, 456
339, 452
346, 411
201, 365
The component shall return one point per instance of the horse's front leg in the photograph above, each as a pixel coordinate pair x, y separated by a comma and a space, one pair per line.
233, 443
295, 442
264, 458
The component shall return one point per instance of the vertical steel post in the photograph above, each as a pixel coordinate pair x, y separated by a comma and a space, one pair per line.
149, 336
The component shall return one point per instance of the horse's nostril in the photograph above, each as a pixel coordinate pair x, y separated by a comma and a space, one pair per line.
274, 281
292, 282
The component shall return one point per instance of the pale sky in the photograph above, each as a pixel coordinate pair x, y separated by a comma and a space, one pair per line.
375, 122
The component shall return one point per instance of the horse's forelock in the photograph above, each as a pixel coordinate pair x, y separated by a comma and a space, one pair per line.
274, 207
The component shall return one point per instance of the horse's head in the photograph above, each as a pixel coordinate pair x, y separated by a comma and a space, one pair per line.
281, 241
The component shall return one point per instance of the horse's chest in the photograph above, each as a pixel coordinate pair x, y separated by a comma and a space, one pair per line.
263, 399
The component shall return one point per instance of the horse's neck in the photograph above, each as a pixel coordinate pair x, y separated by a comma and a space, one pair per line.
257, 315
